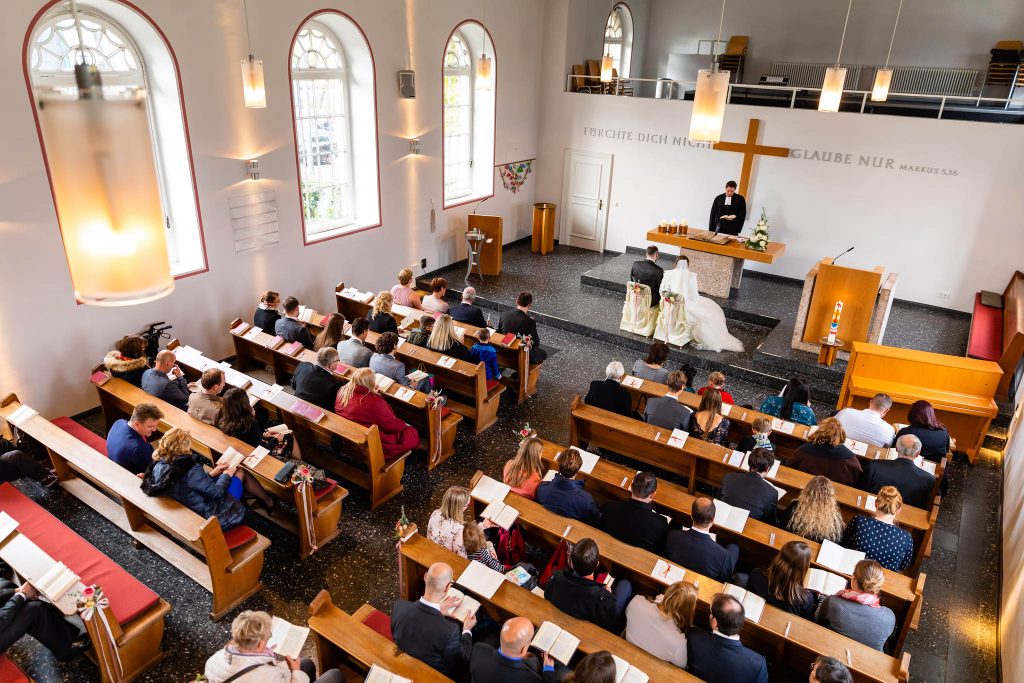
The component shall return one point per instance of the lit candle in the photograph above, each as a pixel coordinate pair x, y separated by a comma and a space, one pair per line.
833, 329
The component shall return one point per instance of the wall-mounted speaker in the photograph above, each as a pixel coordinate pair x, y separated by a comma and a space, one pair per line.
407, 84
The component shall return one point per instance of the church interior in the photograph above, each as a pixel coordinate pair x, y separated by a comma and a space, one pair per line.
394, 341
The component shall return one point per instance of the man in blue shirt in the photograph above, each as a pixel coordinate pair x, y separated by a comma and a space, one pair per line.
512, 661
127, 443
564, 495
484, 352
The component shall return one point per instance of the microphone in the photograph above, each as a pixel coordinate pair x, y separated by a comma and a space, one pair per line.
479, 203
843, 254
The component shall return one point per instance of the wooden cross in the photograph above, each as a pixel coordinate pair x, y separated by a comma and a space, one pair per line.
749, 150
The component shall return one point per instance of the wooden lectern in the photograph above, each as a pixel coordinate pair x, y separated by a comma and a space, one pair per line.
490, 251
866, 297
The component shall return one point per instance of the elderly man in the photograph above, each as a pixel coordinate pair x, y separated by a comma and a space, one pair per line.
719, 656
315, 382
466, 311
204, 405
166, 381
512, 660
868, 425
913, 483
608, 393
424, 629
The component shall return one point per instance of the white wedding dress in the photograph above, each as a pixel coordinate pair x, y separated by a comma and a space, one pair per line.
704, 317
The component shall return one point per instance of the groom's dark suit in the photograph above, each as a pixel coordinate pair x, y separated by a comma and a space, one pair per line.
649, 273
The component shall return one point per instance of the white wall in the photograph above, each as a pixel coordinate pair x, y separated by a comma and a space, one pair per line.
1011, 607
48, 343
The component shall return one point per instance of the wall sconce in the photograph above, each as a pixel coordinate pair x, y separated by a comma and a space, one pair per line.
414, 145
252, 169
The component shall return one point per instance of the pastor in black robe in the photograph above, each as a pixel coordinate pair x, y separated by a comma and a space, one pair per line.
737, 207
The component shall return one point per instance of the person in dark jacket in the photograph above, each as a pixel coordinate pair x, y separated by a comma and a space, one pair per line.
564, 495
424, 630
267, 313
782, 584
421, 334
127, 441
484, 352
466, 311
750, 491
15, 464
238, 419
695, 549
511, 661
913, 483
359, 401
608, 393
380, 316
22, 612
925, 425
520, 323
128, 359
574, 590
648, 272
826, 454
443, 339
634, 521
290, 328
719, 656
666, 411
166, 381
315, 382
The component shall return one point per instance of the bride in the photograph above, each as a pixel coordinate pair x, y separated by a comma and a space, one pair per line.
704, 317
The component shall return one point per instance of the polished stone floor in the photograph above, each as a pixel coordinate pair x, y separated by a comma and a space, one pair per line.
955, 641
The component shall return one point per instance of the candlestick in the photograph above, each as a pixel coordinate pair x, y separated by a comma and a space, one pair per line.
833, 329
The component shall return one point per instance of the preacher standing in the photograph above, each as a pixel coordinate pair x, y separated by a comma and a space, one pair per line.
729, 211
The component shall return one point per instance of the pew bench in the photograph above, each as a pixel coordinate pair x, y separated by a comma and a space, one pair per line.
706, 462
806, 640
315, 521
416, 554
10, 672
997, 332
356, 642
227, 564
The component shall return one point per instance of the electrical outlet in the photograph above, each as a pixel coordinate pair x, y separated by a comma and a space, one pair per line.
943, 295
423, 264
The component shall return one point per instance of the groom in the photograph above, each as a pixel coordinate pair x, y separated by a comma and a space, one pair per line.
648, 272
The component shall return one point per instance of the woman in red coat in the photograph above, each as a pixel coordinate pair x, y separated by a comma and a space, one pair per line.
358, 401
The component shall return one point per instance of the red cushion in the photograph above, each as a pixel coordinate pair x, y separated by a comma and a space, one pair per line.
239, 536
128, 596
492, 384
327, 489
986, 340
445, 412
81, 433
9, 671
379, 622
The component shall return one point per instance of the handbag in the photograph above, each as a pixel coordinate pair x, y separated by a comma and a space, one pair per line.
238, 674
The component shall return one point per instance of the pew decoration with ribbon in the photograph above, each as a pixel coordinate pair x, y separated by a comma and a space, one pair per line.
303, 477
637, 315
513, 176
525, 432
435, 402
401, 526
93, 606
671, 327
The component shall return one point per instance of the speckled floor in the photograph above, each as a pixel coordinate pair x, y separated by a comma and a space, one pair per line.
956, 639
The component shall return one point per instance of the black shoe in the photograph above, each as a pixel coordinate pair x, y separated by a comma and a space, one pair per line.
77, 648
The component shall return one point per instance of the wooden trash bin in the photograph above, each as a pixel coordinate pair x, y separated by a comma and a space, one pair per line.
543, 227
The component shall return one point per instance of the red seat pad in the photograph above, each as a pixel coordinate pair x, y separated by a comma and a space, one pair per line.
81, 433
331, 485
128, 596
9, 671
445, 412
238, 536
379, 622
492, 384
986, 340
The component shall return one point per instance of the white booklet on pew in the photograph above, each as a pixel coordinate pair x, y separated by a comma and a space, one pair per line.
783, 426
824, 582
189, 356
772, 472
460, 332
236, 378
926, 465
753, 605
270, 392
446, 361
231, 458
667, 573
589, 460
407, 322
252, 334
56, 582
726, 409
405, 394
737, 459
631, 381
481, 579
550, 476
678, 438
382, 382
306, 314
730, 517
555, 641
286, 638
627, 673
378, 674
256, 457
858, 447
501, 514
489, 490
835, 556
417, 376
465, 607
7, 525
22, 415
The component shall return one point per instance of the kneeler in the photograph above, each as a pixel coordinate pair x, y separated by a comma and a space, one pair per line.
671, 327
637, 315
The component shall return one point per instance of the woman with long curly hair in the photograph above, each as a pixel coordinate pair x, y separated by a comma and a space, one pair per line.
815, 514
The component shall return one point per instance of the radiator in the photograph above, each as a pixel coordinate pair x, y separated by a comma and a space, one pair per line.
929, 80
812, 74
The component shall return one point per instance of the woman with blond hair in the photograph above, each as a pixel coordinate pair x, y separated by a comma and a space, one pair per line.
708, 423
659, 625
826, 454
403, 293
333, 332
435, 300
380, 316
782, 584
526, 470
359, 401
857, 611
447, 523
815, 513
878, 536
443, 340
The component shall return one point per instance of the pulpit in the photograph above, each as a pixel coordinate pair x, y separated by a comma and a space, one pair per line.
866, 297
490, 250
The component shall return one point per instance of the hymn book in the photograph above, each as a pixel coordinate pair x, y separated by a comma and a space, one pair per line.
446, 361
256, 457
835, 556
501, 514
481, 579
667, 573
237, 379
824, 582
287, 639
417, 376
56, 582
508, 338
627, 673
7, 525
305, 314
311, 413
489, 490
292, 349
556, 642
631, 381
22, 415
382, 382
782, 426
405, 394
231, 458
274, 342
379, 674
242, 327
730, 517
753, 605
252, 334
678, 438
465, 607
858, 447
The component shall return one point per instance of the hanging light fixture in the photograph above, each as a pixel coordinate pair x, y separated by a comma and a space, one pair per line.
607, 64
253, 89
483, 65
103, 175
883, 76
709, 97
835, 76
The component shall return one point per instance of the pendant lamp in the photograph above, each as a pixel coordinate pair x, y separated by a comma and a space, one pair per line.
607, 64
483, 65
253, 88
103, 175
710, 96
883, 76
835, 76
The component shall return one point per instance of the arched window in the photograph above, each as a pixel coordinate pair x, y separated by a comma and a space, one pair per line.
131, 55
333, 103
468, 101
618, 38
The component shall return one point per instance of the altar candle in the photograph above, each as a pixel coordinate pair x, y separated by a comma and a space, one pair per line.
833, 329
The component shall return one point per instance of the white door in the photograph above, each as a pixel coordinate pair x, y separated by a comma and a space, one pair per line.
585, 189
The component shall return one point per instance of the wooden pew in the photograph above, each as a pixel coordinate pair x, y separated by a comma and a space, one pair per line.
344, 641
315, 522
161, 524
417, 554
759, 543
438, 424
960, 389
513, 355
806, 639
702, 461
997, 333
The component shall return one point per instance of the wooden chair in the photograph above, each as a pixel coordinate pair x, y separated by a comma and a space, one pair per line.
733, 58
997, 334
594, 77
580, 83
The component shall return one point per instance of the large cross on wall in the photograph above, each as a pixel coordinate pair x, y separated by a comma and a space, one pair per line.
749, 150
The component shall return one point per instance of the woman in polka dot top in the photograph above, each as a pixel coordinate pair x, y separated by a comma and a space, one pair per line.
878, 537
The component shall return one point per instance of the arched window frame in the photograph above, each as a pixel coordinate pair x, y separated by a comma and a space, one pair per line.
160, 76
618, 38
462, 185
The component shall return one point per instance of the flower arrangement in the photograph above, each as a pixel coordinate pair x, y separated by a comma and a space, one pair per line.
635, 287
435, 400
302, 474
401, 526
92, 597
672, 298
759, 239
526, 431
